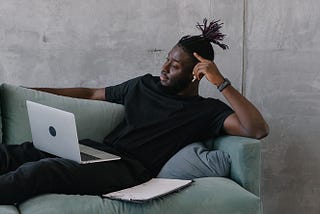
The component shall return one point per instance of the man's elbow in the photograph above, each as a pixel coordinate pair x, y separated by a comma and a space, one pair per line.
262, 132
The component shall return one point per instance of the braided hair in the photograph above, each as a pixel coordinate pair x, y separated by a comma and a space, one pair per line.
201, 44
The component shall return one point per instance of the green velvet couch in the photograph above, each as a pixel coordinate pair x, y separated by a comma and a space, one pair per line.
238, 194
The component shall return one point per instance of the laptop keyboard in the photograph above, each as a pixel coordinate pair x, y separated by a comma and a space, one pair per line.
87, 157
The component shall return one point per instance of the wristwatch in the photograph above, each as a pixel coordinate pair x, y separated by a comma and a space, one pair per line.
223, 85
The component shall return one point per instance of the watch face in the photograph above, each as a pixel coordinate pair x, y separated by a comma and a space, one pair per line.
224, 84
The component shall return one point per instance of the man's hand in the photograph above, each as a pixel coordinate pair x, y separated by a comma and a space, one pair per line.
208, 69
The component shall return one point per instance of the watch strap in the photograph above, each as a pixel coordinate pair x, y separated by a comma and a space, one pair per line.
223, 85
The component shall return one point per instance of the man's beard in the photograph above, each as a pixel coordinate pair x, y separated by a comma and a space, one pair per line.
176, 86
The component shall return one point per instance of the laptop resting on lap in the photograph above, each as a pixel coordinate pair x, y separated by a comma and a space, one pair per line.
54, 131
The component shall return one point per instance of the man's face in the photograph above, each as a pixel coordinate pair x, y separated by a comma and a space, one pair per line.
176, 72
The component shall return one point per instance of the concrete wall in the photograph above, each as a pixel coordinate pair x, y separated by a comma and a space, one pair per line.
273, 58
283, 78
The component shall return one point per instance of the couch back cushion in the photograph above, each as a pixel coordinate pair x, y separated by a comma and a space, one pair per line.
94, 119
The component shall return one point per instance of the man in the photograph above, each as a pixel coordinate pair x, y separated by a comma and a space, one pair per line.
163, 114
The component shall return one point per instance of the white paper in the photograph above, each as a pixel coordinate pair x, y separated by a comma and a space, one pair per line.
153, 188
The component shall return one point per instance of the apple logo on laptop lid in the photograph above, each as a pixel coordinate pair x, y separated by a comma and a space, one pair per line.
52, 131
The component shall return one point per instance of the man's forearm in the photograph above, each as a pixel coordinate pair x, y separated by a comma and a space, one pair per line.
84, 93
248, 115
247, 120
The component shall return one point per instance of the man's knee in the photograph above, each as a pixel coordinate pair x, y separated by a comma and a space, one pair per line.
49, 175
34, 178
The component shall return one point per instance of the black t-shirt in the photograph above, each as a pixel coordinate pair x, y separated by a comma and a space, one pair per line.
158, 124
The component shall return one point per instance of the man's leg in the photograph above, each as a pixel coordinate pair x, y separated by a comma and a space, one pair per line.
56, 175
13, 156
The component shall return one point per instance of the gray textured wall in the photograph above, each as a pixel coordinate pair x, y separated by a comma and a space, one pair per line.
273, 58
283, 78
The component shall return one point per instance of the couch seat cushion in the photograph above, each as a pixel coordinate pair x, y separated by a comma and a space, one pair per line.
206, 195
6, 209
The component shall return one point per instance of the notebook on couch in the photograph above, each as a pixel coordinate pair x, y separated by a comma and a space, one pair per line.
154, 188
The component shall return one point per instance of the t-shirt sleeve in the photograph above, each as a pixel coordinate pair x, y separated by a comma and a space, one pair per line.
117, 93
216, 125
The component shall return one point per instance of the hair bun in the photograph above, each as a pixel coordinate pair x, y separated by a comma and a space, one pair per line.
212, 32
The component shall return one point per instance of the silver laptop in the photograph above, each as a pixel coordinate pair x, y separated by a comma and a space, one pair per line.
54, 131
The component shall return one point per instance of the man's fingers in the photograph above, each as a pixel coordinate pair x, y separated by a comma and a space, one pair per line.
199, 71
198, 57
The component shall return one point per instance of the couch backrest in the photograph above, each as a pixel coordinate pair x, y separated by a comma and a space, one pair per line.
94, 119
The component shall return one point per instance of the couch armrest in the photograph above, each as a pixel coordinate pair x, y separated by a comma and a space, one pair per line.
246, 160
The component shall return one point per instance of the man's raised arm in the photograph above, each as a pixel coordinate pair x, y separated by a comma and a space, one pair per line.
247, 121
84, 93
